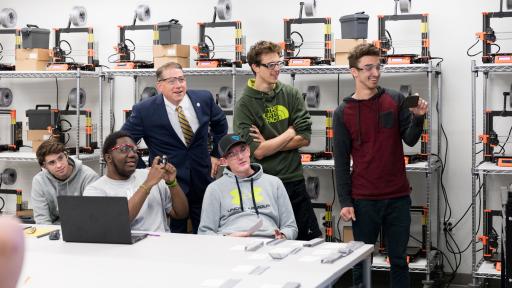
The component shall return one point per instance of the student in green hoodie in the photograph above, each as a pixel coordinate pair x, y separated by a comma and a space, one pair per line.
272, 118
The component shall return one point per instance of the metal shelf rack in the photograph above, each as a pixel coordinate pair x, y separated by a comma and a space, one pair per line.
22, 156
418, 266
486, 269
481, 269
74, 74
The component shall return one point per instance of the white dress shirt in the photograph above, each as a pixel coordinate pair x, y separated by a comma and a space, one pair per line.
189, 111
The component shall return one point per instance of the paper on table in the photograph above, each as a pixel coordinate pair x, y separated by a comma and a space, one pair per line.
255, 227
39, 231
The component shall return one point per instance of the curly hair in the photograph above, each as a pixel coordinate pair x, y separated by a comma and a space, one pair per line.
360, 51
49, 147
260, 48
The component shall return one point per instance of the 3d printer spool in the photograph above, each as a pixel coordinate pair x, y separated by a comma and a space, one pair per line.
9, 176
72, 97
313, 96
5, 97
223, 9
142, 12
148, 92
405, 6
313, 187
310, 8
225, 97
78, 16
8, 18
406, 90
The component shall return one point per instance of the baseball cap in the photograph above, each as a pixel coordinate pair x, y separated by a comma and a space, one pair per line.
229, 141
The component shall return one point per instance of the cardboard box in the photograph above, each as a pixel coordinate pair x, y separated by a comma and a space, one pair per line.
33, 54
346, 45
347, 234
36, 144
341, 58
173, 50
38, 135
30, 65
159, 61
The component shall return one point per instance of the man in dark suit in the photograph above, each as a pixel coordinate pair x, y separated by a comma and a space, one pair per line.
175, 123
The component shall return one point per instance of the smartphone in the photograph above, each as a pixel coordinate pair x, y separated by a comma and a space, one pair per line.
412, 101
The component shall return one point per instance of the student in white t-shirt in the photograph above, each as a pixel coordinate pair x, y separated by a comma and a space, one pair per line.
153, 194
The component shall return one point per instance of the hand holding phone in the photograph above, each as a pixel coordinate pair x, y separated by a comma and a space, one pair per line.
412, 101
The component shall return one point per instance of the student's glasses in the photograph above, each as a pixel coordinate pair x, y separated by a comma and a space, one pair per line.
126, 148
370, 67
273, 65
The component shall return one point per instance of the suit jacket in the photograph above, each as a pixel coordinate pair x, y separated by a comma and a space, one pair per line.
149, 120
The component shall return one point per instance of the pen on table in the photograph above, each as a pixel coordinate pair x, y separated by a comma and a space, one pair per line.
28, 227
150, 234
46, 234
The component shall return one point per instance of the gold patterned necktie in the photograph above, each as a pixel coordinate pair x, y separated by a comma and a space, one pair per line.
185, 126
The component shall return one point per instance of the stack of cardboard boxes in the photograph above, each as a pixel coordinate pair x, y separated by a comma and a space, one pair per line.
343, 46
37, 137
171, 53
35, 59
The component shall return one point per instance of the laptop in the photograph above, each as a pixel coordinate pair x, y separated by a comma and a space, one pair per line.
96, 219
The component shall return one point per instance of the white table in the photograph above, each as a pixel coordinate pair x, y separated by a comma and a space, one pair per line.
181, 260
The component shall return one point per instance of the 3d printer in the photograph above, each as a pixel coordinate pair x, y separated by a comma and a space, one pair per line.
490, 137
385, 43
206, 52
125, 52
8, 18
13, 141
77, 17
292, 49
488, 36
59, 123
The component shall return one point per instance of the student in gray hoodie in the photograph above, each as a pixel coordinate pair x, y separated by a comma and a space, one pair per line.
243, 196
60, 175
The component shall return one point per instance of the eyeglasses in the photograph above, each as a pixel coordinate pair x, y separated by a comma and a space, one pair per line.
370, 67
126, 148
273, 65
61, 158
233, 154
174, 80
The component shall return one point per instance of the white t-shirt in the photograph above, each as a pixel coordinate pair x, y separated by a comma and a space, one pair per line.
153, 213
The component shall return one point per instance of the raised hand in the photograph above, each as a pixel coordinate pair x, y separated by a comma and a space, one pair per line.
421, 109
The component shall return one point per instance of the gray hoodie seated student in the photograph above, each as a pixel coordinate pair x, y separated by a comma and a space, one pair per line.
60, 175
245, 195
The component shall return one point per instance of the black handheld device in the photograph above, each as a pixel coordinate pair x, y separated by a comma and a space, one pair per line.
412, 101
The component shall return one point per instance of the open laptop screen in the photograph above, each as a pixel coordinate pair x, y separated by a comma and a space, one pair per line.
95, 219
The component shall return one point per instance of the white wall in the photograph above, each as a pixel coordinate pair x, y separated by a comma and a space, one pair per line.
452, 27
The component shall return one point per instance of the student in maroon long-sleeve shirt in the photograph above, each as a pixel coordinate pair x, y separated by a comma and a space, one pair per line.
370, 125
